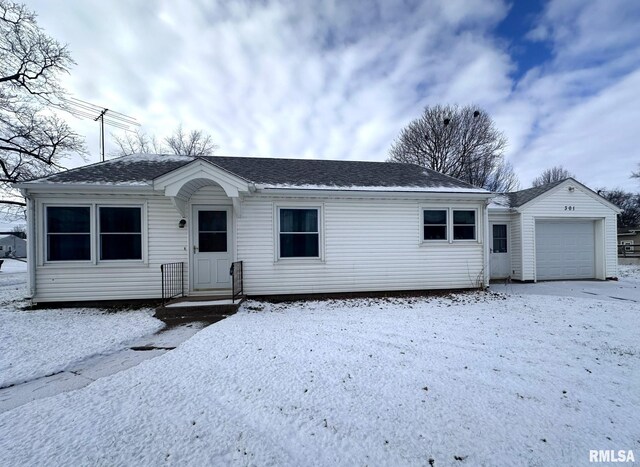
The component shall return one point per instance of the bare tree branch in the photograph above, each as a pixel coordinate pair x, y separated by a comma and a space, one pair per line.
461, 142
554, 174
195, 143
33, 140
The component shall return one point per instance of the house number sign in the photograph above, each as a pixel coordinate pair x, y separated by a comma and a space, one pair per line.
569, 208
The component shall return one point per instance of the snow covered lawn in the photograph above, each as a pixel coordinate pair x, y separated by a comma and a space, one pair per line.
472, 379
36, 343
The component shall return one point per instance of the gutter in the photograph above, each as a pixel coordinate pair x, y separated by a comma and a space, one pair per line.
486, 264
84, 187
374, 193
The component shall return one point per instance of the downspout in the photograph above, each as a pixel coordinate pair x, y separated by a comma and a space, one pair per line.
31, 244
486, 243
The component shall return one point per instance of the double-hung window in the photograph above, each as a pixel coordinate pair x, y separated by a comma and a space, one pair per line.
120, 233
464, 224
447, 224
68, 233
435, 224
298, 232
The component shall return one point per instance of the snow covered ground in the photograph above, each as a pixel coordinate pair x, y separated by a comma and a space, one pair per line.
471, 379
36, 343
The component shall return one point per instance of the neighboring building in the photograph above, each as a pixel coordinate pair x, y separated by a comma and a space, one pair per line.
102, 231
562, 230
12, 246
629, 242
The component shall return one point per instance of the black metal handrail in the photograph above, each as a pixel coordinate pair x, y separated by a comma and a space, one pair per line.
172, 281
236, 280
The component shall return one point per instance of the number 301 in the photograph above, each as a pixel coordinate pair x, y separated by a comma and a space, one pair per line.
569, 208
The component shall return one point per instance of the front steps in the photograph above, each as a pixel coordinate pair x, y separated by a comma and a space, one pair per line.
203, 309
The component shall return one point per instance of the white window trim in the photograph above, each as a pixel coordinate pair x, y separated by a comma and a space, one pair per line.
276, 232
94, 234
45, 243
475, 226
450, 239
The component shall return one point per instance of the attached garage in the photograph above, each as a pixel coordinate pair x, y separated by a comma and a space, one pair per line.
565, 250
559, 231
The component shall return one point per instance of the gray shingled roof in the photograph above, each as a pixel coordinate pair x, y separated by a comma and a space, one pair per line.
143, 169
518, 198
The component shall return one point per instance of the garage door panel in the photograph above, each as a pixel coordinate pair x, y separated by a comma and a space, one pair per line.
565, 250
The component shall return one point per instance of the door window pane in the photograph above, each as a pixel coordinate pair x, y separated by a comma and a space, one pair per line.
212, 221
68, 234
120, 233
435, 224
299, 235
499, 238
209, 242
212, 231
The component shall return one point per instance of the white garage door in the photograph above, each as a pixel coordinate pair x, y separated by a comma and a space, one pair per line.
565, 250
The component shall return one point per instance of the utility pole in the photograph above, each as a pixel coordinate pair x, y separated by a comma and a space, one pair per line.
82, 109
101, 118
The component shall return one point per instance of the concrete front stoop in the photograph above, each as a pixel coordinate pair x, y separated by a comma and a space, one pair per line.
197, 309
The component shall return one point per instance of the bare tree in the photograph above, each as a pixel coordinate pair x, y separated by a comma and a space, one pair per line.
628, 202
636, 174
459, 141
137, 142
554, 174
194, 143
33, 139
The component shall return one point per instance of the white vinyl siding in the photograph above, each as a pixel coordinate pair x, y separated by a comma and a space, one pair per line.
368, 245
114, 280
516, 247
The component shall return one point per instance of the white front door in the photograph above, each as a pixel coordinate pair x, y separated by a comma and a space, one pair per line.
211, 247
500, 255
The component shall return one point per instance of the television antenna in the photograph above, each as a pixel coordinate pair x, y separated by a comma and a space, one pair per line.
83, 109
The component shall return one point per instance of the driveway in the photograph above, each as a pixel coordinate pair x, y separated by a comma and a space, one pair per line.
625, 289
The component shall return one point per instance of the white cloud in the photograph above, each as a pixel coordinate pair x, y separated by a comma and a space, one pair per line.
334, 79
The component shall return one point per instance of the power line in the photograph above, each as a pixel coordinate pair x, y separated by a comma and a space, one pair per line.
83, 109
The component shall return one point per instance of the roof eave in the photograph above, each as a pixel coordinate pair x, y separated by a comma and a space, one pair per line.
76, 187
374, 193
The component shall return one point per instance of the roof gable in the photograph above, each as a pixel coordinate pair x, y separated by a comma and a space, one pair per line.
525, 198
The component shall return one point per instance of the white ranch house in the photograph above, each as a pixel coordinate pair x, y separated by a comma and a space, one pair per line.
101, 232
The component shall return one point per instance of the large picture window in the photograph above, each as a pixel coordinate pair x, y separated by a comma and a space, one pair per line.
68, 233
299, 233
435, 224
120, 233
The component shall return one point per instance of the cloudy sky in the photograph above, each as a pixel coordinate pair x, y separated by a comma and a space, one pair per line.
339, 79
